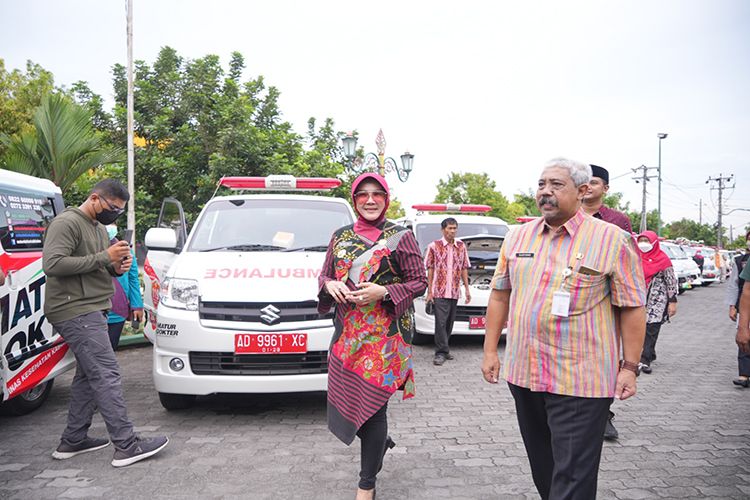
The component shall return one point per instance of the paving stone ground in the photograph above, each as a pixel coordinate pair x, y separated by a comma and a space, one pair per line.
685, 435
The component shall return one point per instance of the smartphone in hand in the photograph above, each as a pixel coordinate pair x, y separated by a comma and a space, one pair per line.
127, 236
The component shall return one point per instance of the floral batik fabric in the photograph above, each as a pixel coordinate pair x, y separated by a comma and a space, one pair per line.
370, 354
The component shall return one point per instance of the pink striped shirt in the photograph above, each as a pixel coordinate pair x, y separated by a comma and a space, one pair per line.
598, 264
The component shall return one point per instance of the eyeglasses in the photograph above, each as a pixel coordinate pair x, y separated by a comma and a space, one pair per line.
377, 196
112, 207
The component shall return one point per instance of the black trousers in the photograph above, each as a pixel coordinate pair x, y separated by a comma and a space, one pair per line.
373, 435
445, 314
115, 330
563, 437
648, 355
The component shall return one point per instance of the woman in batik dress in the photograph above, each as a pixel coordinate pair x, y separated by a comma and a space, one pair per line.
661, 301
372, 273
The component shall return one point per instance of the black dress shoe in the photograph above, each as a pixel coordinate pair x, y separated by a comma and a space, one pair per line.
742, 382
610, 433
449, 357
439, 360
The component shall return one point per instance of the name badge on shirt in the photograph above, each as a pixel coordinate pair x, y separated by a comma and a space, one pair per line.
524, 255
560, 303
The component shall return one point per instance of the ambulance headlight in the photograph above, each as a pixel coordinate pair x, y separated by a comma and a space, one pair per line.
180, 294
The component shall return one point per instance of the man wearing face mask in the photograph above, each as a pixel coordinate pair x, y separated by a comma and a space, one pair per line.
127, 302
79, 263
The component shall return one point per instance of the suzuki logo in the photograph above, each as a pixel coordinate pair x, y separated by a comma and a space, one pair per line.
270, 314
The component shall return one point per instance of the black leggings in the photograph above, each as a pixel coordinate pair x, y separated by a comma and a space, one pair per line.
373, 435
115, 330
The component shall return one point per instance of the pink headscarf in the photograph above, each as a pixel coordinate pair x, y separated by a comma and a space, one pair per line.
370, 229
654, 260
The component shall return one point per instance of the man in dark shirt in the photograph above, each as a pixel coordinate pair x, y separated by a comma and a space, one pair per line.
80, 262
593, 204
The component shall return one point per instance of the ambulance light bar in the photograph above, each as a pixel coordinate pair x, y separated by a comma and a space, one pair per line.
522, 220
280, 183
451, 207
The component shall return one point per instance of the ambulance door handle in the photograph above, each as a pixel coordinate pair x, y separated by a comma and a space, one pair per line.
11, 279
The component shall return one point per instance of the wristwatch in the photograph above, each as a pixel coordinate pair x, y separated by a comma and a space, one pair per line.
627, 365
386, 296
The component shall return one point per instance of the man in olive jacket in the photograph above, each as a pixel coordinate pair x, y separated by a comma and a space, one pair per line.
79, 263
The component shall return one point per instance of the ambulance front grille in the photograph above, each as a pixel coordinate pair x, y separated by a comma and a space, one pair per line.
463, 313
250, 312
228, 363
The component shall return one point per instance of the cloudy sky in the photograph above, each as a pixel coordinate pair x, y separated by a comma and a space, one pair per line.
496, 87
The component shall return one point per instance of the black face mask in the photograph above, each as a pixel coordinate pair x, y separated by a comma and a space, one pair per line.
107, 217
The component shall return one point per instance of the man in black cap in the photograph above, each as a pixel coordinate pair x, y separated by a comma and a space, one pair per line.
593, 201
593, 204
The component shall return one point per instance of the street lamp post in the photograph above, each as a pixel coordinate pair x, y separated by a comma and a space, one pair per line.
661, 136
372, 161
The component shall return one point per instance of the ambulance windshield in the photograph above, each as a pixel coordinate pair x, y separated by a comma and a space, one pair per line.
427, 233
268, 225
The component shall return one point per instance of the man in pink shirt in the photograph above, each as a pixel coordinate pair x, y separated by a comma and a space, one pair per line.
447, 263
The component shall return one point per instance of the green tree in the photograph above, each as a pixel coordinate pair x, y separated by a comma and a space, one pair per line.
61, 147
692, 230
614, 200
395, 209
198, 123
652, 220
20, 94
478, 189
524, 204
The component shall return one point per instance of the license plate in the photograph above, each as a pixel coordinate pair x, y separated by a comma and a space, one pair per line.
270, 343
477, 322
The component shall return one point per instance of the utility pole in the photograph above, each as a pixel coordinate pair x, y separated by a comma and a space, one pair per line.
721, 182
700, 211
644, 178
131, 153
661, 136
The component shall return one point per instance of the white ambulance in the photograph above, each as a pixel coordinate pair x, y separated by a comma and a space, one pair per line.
32, 354
232, 307
483, 237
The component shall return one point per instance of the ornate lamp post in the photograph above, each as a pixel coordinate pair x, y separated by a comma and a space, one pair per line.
372, 161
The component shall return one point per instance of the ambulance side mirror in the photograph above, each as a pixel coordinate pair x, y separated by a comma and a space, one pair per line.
160, 238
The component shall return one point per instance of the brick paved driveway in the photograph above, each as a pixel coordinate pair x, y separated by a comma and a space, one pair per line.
686, 434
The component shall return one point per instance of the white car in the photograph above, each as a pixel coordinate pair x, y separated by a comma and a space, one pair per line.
687, 271
232, 307
711, 274
483, 237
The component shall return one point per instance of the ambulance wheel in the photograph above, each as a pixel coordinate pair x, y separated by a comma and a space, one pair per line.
176, 401
28, 401
421, 339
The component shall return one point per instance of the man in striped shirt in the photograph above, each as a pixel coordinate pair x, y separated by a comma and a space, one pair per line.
557, 280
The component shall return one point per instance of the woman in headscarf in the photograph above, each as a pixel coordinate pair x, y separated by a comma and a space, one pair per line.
372, 273
661, 301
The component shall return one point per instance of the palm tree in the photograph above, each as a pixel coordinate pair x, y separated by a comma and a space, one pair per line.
62, 146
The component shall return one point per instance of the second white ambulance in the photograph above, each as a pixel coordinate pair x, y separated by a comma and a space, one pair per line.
232, 307
483, 237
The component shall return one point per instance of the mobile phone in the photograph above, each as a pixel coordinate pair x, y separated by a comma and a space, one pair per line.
135, 324
127, 235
